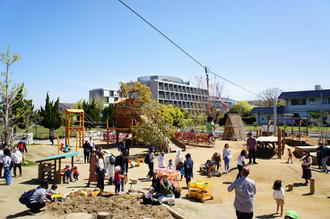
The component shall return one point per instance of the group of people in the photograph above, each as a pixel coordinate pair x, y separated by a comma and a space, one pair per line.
102, 164
12, 160
322, 154
184, 164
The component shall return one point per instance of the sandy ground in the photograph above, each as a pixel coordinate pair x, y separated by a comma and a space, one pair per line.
264, 174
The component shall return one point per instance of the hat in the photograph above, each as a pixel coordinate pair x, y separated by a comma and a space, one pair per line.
292, 214
164, 174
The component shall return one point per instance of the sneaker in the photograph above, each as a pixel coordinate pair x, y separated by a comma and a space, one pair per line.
255, 163
31, 213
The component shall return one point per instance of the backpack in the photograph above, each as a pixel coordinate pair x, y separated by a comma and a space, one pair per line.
112, 159
147, 159
26, 196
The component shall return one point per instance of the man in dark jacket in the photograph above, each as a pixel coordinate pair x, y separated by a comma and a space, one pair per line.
122, 161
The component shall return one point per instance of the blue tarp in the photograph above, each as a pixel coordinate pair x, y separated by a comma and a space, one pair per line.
60, 156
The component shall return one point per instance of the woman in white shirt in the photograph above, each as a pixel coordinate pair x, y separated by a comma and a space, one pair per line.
226, 157
7, 166
178, 159
16, 158
161, 160
240, 162
100, 172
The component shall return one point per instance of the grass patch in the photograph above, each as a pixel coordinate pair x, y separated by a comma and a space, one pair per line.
34, 144
29, 163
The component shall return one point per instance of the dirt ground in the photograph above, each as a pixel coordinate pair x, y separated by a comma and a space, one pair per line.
264, 173
119, 207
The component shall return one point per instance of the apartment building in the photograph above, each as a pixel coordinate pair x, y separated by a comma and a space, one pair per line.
175, 91
107, 95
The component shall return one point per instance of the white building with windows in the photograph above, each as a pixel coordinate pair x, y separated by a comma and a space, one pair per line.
175, 91
107, 95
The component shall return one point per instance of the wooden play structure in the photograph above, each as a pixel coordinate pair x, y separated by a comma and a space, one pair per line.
268, 146
50, 167
194, 138
234, 128
125, 119
76, 126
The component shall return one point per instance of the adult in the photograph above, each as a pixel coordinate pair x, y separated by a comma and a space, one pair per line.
92, 168
151, 164
241, 162
91, 142
22, 148
87, 151
38, 199
252, 148
122, 147
245, 189
2, 156
178, 159
166, 191
226, 157
217, 160
100, 170
110, 167
7, 166
161, 160
122, 161
325, 155
188, 168
129, 144
318, 155
16, 158
51, 135
306, 167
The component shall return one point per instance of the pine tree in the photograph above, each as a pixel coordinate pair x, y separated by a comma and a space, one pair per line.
50, 114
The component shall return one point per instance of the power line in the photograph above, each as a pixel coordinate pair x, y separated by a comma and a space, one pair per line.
181, 49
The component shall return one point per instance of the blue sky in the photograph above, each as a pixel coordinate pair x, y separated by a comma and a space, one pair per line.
71, 46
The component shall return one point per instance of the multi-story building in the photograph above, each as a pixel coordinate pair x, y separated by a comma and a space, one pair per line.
107, 95
302, 103
175, 91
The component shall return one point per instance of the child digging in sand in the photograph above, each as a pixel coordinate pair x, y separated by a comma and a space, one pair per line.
278, 195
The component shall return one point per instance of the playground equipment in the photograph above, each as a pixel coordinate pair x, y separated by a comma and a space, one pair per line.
268, 146
125, 119
234, 128
52, 171
71, 126
194, 138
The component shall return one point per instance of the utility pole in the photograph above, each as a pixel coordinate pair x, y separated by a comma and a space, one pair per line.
275, 116
208, 110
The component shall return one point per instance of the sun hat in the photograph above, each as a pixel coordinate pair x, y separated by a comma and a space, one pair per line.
292, 214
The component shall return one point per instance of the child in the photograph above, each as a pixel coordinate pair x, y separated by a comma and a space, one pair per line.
52, 189
117, 179
290, 156
278, 195
170, 165
67, 174
240, 162
181, 169
226, 157
75, 173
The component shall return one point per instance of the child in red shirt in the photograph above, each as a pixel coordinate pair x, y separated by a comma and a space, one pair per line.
117, 179
75, 173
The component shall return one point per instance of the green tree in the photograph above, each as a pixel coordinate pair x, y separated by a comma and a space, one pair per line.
50, 114
241, 107
22, 110
157, 126
92, 113
141, 93
108, 113
8, 93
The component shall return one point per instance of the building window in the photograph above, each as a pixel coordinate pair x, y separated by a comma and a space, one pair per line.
326, 100
312, 101
298, 102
